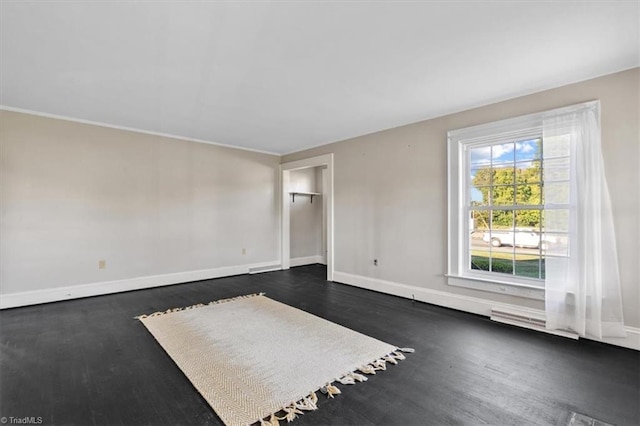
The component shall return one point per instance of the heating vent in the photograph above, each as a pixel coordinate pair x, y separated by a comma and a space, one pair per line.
525, 319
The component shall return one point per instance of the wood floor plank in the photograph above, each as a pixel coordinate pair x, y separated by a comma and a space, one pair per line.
88, 362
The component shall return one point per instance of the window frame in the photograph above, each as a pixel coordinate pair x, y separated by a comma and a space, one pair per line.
459, 143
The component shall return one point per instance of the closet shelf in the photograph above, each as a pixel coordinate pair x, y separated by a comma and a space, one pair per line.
310, 194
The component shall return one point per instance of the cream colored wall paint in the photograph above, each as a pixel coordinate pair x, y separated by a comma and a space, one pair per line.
72, 194
303, 180
391, 189
306, 217
321, 176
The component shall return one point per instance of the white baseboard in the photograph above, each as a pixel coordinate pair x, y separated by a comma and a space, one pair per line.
14, 300
632, 341
462, 303
265, 268
309, 260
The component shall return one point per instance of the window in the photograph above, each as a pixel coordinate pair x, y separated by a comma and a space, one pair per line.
508, 194
530, 215
503, 196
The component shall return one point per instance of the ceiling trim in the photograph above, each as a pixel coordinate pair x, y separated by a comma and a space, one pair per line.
131, 129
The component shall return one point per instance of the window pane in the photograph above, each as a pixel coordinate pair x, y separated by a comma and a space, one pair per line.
529, 194
479, 156
556, 146
527, 239
502, 153
479, 195
479, 220
527, 262
528, 150
528, 219
555, 244
498, 238
503, 196
480, 175
502, 220
502, 263
556, 169
480, 260
556, 193
528, 172
556, 220
503, 175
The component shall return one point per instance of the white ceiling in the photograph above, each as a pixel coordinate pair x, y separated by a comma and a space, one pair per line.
284, 76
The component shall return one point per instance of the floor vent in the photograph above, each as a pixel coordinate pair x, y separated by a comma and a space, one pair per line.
525, 319
579, 419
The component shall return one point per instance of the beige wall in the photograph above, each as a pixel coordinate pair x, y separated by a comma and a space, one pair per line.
305, 229
391, 189
72, 194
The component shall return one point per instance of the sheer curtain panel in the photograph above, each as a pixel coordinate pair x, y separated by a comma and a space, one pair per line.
582, 286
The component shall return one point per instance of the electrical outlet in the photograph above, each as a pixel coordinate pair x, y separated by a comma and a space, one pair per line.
375, 262
244, 251
102, 264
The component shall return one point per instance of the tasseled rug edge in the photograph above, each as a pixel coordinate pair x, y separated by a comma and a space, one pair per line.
309, 403
199, 305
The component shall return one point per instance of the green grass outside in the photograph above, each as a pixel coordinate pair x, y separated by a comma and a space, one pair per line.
503, 255
526, 265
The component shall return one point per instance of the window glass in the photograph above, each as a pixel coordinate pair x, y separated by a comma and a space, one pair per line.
505, 202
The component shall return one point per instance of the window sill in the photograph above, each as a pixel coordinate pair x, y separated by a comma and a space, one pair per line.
495, 286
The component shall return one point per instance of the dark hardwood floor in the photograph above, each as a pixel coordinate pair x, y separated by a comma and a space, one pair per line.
88, 362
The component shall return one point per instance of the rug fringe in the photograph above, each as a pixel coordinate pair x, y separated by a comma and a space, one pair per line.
398, 355
330, 390
273, 421
199, 305
347, 380
367, 369
309, 403
358, 377
391, 360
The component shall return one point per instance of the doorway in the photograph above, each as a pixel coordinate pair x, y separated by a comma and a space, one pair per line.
327, 194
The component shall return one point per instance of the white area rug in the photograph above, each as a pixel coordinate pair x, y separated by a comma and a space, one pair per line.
254, 359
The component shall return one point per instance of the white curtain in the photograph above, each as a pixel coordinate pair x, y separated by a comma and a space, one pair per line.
582, 286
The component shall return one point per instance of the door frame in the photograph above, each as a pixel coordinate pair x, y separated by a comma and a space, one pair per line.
285, 242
